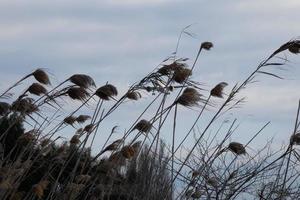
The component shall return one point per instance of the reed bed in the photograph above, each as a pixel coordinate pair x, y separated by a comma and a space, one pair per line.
38, 162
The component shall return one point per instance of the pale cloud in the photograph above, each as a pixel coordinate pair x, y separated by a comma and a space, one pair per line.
137, 2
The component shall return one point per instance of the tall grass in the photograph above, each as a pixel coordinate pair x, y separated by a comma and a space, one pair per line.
41, 164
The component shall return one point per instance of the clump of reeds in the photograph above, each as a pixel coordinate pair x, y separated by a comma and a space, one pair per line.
24, 105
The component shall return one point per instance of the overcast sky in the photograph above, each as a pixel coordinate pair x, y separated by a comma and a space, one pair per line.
120, 41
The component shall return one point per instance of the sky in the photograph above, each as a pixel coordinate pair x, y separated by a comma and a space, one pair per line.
120, 41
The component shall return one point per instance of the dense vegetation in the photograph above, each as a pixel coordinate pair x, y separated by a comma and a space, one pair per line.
35, 164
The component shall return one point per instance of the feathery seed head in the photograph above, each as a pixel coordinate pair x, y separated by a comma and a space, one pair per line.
295, 139
143, 126
190, 97
106, 92
70, 120
207, 45
41, 76
133, 95
89, 128
37, 89
82, 80
181, 74
237, 148
24, 106
82, 118
217, 91
78, 93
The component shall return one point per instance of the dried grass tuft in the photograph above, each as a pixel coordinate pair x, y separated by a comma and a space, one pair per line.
190, 97
181, 74
293, 46
237, 148
133, 95
143, 126
82, 80
82, 118
217, 91
70, 120
4, 108
207, 45
89, 128
41, 76
37, 89
78, 93
295, 139
106, 92
24, 106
